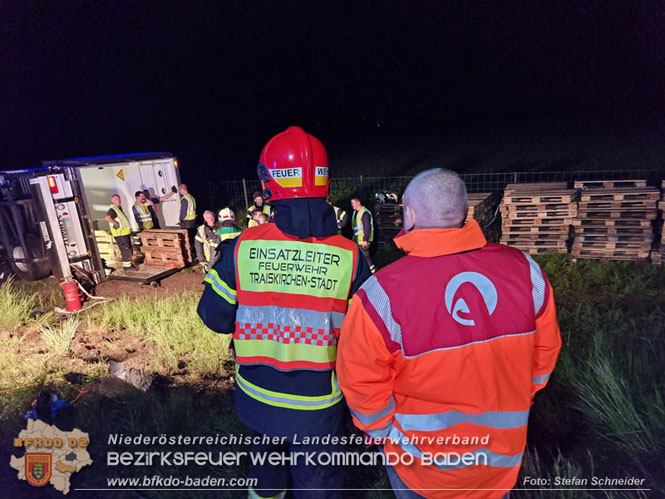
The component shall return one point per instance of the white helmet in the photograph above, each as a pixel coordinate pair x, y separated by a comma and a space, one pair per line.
226, 214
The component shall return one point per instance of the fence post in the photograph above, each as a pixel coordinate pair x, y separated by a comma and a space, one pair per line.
244, 189
211, 195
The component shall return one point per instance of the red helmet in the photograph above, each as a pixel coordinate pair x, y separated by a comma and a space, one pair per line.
294, 164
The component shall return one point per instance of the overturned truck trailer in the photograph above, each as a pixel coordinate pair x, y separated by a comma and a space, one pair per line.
48, 215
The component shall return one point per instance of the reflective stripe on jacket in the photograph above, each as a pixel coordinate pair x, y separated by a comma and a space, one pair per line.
292, 296
441, 352
191, 207
264, 209
123, 222
339, 216
144, 216
208, 239
357, 224
227, 233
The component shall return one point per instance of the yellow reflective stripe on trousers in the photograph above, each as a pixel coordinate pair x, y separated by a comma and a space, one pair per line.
220, 287
290, 401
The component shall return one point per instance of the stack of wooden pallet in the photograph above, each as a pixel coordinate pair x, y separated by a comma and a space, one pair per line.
481, 207
536, 217
108, 249
165, 247
387, 224
614, 219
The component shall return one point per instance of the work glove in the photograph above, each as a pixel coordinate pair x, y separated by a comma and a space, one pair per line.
174, 190
205, 268
116, 225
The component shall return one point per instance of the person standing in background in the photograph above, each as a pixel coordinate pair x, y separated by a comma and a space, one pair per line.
120, 230
155, 201
450, 342
188, 214
207, 240
141, 211
341, 216
363, 230
259, 204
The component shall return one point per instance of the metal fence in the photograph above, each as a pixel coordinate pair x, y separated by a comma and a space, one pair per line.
237, 194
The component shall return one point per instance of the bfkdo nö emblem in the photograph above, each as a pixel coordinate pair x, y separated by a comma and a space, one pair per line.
37, 468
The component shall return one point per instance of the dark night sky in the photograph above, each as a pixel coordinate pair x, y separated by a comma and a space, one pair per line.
212, 81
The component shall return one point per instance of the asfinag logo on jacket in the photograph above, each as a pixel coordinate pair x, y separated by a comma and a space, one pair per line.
484, 286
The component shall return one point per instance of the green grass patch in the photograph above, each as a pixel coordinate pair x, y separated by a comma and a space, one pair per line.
59, 337
18, 306
173, 324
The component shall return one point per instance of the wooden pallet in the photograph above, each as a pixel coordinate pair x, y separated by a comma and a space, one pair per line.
646, 239
612, 231
541, 221
520, 236
621, 194
637, 214
162, 259
535, 242
612, 245
617, 222
532, 215
538, 251
162, 238
535, 229
617, 205
481, 207
525, 198
561, 207
597, 254
611, 184
534, 187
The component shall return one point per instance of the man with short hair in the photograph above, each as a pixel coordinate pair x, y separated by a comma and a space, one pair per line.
282, 289
254, 221
120, 230
259, 204
207, 241
363, 229
141, 211
188, 213
442, 352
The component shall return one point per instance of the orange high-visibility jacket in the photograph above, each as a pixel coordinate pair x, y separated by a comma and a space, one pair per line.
441, 353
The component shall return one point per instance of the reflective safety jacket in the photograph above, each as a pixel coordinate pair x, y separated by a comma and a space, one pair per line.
265, 209
122, 220
229, 232
442, 351
341, 217
358, 227
288, 297
207, 241
143, 216
190, 209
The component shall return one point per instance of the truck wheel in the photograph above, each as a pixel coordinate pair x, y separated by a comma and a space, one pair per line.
33, 269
